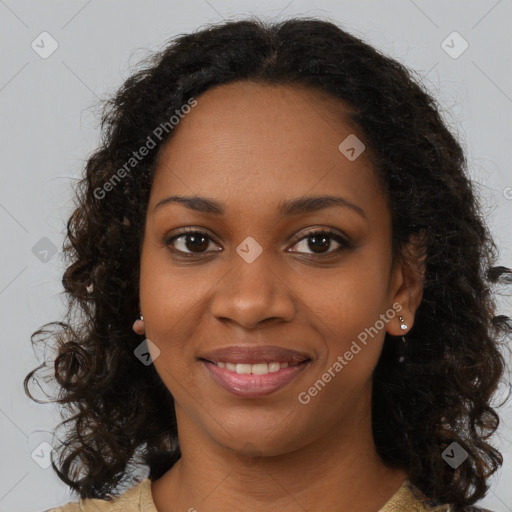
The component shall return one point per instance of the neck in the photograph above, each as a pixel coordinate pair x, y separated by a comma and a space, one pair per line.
338, 472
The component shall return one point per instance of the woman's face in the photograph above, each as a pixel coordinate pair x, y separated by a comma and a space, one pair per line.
257, 277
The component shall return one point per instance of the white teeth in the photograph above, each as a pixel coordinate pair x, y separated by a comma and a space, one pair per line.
273, 367
243, 368
259, 368
256, 369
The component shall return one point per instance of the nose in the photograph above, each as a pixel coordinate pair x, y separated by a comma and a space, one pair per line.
251, 294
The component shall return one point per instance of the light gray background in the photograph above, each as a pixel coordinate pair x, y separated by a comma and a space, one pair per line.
48, 129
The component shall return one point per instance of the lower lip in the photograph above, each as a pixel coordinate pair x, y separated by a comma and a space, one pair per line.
251, 385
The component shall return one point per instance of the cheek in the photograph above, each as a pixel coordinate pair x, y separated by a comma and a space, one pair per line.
351, 298
170, 300
170, 295
351, 314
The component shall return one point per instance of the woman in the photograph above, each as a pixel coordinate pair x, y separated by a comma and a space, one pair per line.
285, 211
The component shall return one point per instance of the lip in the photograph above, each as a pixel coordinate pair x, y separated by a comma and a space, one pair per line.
255, 354
253, 385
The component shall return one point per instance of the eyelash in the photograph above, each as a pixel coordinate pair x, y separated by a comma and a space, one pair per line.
332, 234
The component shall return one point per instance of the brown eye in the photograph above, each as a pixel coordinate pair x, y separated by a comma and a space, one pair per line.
189, 242
320, 241
193, 241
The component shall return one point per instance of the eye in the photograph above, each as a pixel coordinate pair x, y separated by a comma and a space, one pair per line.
319, 242
190, 242
189, 239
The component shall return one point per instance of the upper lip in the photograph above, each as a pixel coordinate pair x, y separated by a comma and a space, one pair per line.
254, 354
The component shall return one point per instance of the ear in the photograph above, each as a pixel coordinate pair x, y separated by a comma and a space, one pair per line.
407, 280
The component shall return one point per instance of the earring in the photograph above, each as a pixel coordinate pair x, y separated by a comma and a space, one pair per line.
403, 326
138, 325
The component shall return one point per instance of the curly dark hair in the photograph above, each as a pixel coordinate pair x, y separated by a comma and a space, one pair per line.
122, 413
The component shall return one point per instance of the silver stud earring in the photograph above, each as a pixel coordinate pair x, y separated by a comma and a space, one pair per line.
140, 316
403, 325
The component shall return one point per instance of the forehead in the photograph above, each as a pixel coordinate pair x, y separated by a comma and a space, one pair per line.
260, 141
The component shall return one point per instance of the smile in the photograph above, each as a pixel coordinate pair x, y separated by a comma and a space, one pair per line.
254, 380
256, 369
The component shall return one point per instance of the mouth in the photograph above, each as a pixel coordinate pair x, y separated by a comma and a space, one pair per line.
254, 380
261, 368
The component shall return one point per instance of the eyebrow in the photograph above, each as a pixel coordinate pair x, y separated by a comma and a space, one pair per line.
298, 206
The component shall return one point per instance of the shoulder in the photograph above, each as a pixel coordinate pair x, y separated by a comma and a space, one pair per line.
409, 498
136, 499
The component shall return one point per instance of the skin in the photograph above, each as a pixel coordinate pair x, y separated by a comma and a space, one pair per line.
251, 146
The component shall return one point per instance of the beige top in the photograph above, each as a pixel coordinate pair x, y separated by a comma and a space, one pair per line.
139, 499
